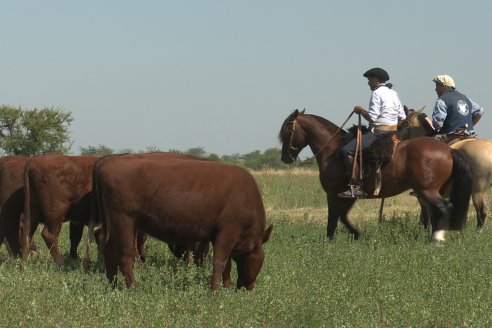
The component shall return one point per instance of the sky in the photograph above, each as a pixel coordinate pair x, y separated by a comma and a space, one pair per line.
224, 75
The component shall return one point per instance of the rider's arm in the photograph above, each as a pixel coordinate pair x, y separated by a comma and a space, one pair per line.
362, 111
439, 114
477, 112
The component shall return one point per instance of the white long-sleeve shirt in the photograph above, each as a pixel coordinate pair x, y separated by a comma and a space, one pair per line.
385, 107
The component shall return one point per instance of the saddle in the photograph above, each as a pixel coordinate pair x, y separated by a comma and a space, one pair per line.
381, 150
454, 137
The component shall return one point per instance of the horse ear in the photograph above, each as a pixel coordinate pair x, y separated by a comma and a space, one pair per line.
302, 112
405, 109
421, 110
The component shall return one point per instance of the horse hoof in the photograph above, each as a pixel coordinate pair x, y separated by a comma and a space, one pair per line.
438, 243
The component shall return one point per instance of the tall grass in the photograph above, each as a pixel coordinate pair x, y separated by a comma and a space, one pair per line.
391, 277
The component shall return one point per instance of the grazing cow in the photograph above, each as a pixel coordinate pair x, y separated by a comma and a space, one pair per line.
11, 200
57, 188
197, 250
182, 201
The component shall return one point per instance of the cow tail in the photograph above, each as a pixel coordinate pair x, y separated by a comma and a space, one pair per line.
92, 218
461, 190
25, 226
100, 215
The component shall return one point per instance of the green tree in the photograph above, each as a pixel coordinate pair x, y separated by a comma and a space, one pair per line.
100, 150
197, 151
34, 132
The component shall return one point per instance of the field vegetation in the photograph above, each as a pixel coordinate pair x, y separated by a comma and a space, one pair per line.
392, 277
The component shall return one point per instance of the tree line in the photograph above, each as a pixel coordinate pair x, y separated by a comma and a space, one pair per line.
44, 131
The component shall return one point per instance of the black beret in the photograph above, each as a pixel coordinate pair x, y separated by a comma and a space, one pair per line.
378, 73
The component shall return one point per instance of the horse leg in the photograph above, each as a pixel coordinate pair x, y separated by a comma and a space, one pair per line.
425, 213
440, 214
352, 230
338, 209
333, 215
480, 208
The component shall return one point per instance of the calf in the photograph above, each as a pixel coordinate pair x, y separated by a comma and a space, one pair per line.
182, 201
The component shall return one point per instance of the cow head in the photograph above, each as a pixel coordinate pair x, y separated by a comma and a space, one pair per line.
249, 265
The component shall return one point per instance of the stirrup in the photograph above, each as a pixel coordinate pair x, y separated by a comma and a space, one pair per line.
354, 191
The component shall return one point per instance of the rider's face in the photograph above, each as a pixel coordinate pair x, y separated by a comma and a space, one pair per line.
439, 89
373, 82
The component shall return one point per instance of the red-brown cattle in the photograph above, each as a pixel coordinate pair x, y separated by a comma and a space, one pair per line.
11, 200
196, 250
182, 201
57, 188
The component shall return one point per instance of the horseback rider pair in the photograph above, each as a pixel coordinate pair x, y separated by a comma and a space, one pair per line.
453, 117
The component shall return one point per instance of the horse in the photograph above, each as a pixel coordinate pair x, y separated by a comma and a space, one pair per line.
424, 164
477, 151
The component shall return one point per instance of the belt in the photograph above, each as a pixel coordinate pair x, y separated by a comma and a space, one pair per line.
385, 127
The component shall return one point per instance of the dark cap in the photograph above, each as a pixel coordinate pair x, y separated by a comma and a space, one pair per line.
378, 73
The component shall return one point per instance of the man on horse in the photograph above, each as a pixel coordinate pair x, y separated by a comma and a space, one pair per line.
454, 113
384, 112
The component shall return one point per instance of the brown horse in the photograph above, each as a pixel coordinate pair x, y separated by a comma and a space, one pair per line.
424, 164
477, 151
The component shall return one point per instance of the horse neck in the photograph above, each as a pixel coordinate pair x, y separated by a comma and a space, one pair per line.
323, 139
416, 128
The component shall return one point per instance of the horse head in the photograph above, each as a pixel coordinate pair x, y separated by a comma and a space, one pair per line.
416, 124
292, 137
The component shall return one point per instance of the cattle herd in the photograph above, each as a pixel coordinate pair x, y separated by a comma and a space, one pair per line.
182, 200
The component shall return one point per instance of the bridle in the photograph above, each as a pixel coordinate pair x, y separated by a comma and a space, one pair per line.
293, 130
291, 146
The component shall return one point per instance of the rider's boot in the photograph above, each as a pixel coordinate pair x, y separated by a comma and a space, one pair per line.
355, 188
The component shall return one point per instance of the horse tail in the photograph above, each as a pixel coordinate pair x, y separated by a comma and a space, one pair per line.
461, 190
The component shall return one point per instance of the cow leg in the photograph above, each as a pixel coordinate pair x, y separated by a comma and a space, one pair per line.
11, 239
50, 235
201, 253
120, 251
111, 257
222, 251
141, 238
76, 231
226, 275
127, 233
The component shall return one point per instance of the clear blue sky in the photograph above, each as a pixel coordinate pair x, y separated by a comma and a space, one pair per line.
223, 75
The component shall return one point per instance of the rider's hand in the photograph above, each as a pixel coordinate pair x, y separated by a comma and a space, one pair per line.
359, 109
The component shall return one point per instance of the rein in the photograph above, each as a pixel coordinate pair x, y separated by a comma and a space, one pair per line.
324, 145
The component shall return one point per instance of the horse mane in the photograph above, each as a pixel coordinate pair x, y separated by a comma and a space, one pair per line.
327, 125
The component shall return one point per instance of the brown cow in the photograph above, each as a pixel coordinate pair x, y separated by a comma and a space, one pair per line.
182, 201
11, 200
57, 188
196, 250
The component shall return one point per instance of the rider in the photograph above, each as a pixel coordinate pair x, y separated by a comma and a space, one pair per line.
454, 113
384, 112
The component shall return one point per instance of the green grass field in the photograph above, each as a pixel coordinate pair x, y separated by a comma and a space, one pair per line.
391, 277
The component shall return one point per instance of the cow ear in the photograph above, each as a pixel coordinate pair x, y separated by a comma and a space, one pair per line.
266, 234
